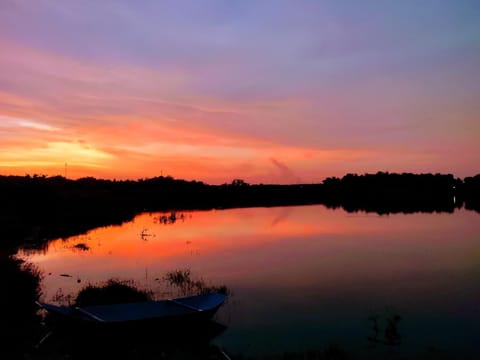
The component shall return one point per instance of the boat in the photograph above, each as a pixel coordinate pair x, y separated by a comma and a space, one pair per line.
190, 309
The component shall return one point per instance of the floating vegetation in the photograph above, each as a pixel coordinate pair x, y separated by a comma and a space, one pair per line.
169, 219
144, 234
81, 247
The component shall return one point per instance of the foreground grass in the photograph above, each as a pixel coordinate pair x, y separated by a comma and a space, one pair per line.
113, 291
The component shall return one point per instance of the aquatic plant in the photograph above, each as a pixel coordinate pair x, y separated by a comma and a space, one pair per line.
391, 335
81, 247
182, 280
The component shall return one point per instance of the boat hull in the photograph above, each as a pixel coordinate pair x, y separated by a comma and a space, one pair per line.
170, 314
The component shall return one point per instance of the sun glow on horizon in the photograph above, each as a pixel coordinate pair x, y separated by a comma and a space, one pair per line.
139, 149
54, 154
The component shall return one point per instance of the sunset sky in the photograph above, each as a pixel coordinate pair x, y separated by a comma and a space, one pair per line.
267, 91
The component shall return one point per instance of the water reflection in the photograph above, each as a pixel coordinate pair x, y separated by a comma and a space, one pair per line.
149, 341
303, 277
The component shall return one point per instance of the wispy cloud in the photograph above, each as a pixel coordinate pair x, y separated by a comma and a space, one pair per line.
285, 171
8, 121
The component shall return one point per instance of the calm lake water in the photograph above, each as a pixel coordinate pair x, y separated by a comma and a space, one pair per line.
301, 277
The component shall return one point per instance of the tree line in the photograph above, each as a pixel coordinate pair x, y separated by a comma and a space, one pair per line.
37, 207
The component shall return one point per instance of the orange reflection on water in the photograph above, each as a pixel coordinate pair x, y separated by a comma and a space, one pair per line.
307, 249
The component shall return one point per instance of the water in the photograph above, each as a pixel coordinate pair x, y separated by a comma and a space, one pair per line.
302, 277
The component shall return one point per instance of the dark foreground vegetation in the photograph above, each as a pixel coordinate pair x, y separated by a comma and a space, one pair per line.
20, 324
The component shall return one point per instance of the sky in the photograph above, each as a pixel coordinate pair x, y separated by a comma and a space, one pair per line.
265, 91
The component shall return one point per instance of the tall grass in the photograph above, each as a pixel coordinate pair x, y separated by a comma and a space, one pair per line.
183, 281
113, 291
